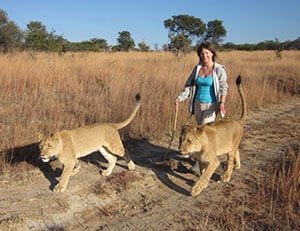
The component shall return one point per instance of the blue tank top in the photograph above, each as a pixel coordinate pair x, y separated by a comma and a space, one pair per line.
205, 89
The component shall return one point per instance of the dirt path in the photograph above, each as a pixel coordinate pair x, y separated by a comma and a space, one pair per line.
150, 198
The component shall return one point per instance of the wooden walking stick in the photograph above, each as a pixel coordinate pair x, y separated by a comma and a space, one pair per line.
173, 132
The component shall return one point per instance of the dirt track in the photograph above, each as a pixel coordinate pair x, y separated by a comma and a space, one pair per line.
152, 197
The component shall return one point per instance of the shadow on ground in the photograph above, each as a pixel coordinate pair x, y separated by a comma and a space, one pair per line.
30, 154
145, 154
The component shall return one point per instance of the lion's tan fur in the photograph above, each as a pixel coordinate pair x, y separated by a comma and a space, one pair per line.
211, 140
69, 145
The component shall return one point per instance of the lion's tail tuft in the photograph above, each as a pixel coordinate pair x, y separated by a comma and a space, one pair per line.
133, 113
238, 82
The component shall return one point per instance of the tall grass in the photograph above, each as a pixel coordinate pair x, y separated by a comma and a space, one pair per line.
281, 193
46, 92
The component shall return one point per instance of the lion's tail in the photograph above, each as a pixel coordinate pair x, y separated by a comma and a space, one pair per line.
243, 99
133, 113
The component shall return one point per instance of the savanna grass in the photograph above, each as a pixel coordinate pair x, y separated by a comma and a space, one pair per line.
47, 92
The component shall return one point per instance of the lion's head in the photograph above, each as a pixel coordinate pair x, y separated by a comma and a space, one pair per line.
49, 147
190, 140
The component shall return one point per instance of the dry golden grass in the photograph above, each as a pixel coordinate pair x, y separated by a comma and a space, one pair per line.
46, 92
281, 192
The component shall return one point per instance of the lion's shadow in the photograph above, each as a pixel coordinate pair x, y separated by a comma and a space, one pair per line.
30, 154
142, 152
160, 160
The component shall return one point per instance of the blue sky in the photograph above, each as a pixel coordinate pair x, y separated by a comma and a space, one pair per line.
246, 21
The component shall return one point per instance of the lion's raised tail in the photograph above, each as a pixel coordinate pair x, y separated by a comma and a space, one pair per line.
243, 99
133, 113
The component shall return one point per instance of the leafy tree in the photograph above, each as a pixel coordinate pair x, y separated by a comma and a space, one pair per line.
125, 42
36, 36
10, 34
182, 30
143, 46
180, 44
94, 44
99, 44
55, 42
292, 45
215, 32
186, 25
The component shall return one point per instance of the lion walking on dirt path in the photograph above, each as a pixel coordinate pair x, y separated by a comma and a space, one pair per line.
209, 141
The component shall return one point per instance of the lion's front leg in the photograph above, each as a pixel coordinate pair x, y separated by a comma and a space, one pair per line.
76, 168
129, 162
205, 177
64, 179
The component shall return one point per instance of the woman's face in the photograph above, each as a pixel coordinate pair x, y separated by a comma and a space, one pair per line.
206, 55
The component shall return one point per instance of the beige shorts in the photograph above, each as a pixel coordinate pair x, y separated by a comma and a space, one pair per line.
205, 112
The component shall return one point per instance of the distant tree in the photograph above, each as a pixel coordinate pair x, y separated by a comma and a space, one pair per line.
180, 44
94, 44
10, 34
215, 32
125, 42
292, 45
99, 44
55, 42
36, 36
182, 30
143, 46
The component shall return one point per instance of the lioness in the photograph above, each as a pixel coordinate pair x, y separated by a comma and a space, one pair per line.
69, 145
209, 141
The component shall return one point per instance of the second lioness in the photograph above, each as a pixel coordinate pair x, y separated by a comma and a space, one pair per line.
209, 141
69, 145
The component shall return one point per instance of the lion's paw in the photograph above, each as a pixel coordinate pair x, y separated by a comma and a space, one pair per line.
237, 166
105, 173
59, 188
226, 177
197, 189
131, 165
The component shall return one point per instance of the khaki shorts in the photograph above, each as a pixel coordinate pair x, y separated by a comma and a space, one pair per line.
205, 112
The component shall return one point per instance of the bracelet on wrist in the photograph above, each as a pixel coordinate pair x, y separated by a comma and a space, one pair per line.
221, 102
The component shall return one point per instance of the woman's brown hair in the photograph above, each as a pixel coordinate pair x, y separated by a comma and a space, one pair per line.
209, 46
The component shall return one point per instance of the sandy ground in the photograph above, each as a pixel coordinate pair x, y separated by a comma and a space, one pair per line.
152, 197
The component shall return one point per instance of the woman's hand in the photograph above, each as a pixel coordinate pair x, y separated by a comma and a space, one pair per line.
222, 110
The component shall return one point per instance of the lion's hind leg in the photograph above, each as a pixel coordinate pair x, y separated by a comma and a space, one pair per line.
237, 160
129, 162
111, 159
231, 158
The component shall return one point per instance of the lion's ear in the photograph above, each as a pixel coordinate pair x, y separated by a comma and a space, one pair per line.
39, 136
185, 127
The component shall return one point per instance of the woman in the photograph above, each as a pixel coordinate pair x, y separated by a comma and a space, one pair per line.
207, 89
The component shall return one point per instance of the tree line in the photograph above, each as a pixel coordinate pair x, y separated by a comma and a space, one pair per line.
183, 31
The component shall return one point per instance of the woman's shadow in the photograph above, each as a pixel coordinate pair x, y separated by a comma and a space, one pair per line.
157, 158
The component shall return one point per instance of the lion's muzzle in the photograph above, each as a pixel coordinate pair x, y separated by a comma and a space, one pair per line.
45, 159
183, 153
